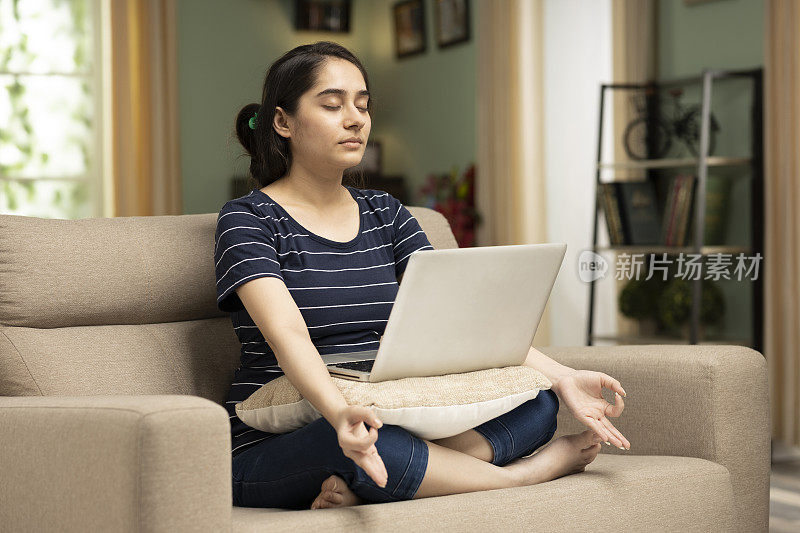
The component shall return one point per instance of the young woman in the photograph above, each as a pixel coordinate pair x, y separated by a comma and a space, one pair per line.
307, 265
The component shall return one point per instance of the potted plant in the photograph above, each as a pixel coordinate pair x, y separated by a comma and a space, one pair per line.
454, 197
638, 300
675, 306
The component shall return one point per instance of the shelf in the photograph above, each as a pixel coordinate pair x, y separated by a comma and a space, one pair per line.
635, 339
656, 249
645, 179
726, 165
677, 163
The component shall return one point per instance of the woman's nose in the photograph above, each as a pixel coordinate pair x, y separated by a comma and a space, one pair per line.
354, 115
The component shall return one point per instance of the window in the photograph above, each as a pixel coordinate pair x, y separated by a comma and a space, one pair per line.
51, 108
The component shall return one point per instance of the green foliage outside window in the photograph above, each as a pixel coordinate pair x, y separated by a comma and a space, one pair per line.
47, 108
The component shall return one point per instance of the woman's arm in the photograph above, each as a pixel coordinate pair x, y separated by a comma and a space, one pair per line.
303, 366
277, 316
547, 366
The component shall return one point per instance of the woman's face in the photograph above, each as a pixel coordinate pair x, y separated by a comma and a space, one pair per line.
335, 109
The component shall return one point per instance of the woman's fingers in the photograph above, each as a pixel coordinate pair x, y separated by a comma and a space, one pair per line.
364, 453
374, 467
360, 413
616, 408
360, 443
611, 383
597, 427
616, 434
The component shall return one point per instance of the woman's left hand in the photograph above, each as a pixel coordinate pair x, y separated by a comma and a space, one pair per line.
581, 391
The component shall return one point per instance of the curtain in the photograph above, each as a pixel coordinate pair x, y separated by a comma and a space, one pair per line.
782, 215
634, 45
510, 178
145, 165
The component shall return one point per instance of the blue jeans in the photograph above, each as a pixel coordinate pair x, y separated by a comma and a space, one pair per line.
287, 470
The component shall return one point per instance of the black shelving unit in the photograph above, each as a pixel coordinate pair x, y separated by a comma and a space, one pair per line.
701, 163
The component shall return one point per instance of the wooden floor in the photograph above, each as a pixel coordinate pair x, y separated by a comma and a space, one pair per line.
784, 490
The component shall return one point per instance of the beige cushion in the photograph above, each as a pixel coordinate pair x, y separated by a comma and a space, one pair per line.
431, 407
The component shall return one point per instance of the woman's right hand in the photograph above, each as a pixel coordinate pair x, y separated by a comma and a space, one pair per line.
359, 444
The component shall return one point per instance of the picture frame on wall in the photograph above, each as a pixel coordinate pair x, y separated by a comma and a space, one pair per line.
452, 22
322, 15
409, 28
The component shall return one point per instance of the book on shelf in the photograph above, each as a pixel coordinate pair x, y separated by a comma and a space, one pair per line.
668, 220
677, 210
679, 220
631, 212
640, 212
717, 198
634, 216
685, 209
610, 203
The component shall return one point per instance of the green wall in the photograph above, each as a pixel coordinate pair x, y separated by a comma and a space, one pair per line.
425, 105
427, 114
721, 34
716, 34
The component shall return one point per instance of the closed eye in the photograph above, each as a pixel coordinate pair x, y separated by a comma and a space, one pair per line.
362, 109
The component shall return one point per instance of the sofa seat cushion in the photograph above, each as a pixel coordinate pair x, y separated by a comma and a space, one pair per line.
432, 407
616, 493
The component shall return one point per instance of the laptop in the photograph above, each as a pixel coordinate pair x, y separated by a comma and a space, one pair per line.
459, 310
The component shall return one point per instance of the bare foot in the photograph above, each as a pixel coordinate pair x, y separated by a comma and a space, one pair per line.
335, 493
568, 454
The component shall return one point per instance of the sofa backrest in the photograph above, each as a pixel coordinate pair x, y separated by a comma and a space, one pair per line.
125, 305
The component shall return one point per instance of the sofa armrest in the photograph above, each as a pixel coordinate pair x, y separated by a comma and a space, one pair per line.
114, 463
705, 401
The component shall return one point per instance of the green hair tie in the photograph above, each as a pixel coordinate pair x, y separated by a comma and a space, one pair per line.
253, 122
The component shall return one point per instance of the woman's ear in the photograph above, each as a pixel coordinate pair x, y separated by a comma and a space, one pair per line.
280, 123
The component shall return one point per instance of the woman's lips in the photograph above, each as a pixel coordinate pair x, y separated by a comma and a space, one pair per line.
351, 144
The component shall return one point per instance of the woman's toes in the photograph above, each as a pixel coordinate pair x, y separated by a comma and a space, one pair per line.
330, 484
332, 497
590, 453
588, 438
327, 500
334, 492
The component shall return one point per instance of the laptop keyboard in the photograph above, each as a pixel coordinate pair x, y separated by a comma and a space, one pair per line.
364, 366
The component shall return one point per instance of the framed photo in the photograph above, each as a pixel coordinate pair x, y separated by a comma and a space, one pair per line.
452, 22
409, 28
322, 15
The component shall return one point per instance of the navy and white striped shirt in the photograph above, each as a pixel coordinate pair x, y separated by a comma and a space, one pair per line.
344, 290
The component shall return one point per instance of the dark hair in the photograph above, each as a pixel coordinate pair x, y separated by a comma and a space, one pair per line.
287, 79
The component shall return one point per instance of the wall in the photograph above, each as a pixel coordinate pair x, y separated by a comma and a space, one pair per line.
577, 61
717, 34
425, 111
427, 115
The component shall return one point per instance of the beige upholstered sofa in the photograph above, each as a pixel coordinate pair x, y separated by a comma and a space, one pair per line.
114, 363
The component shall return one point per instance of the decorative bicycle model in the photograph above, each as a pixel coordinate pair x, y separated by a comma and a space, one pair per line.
651, 137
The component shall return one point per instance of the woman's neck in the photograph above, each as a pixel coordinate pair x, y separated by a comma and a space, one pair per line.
310, 192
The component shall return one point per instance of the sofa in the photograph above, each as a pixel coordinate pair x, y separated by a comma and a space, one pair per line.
115, 363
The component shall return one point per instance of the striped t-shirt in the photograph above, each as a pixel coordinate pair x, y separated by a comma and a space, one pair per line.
344, 290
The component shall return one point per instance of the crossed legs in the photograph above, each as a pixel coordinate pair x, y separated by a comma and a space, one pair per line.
475, 459
469, 442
